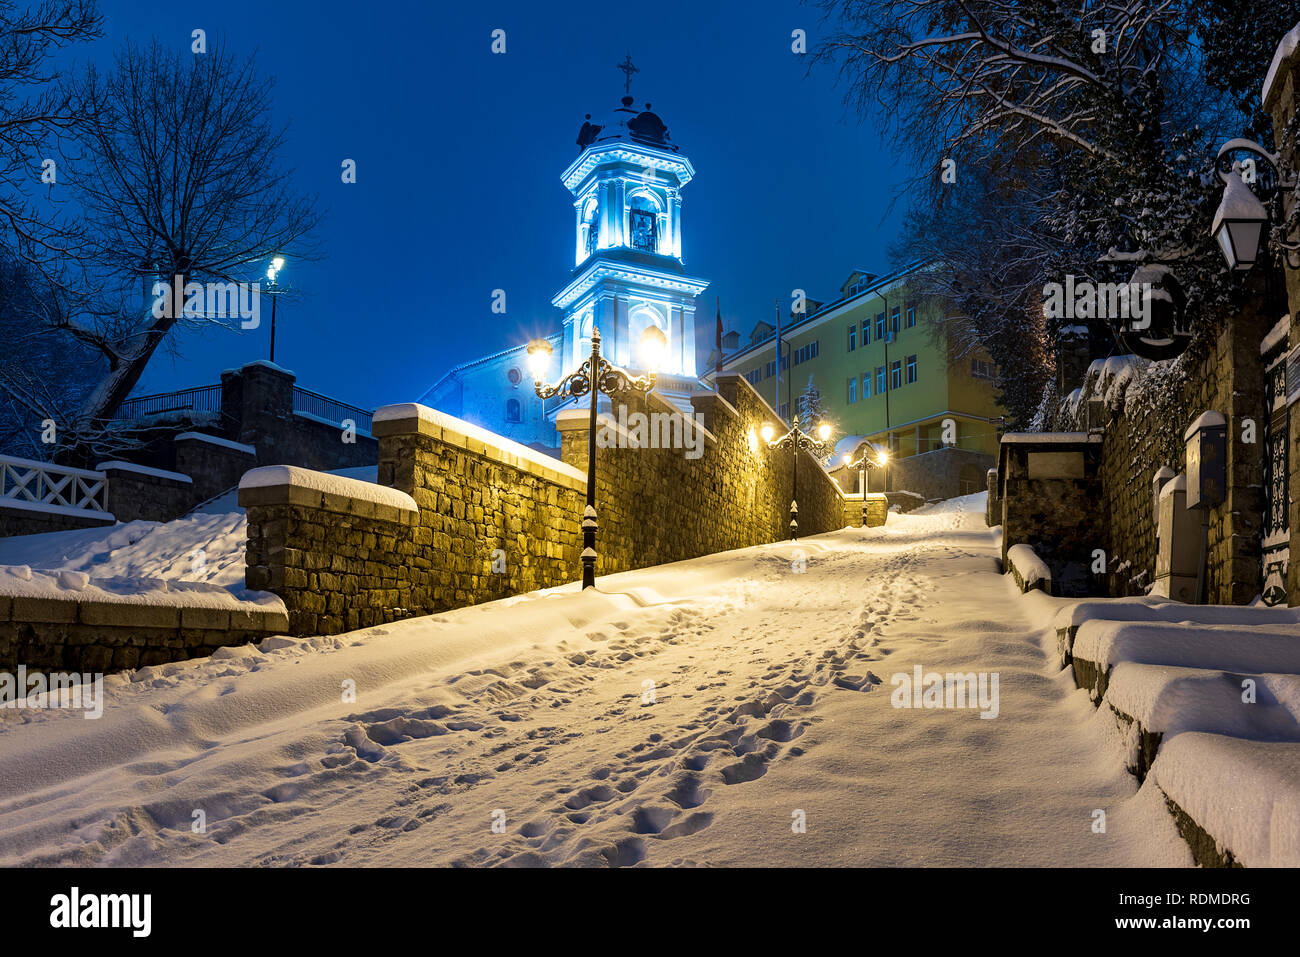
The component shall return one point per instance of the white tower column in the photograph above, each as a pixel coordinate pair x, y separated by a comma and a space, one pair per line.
677, 225
620, 212
579, 250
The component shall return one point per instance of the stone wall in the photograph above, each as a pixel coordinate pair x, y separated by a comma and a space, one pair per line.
214, 464
16, 520
477, 518
480, 517
339, 561
92, 635
1144, 422
877, 509
1050, 486
138, 493
937, 474
658, 505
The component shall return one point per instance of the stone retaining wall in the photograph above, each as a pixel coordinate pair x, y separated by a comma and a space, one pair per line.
490, 518
48, 633
658, 505
877, 509
136, 493
1143, 431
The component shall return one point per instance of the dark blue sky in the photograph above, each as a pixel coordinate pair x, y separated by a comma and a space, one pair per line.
459, 156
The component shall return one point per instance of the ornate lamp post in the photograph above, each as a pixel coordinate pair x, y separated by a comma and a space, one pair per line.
594, 376
1242, 217
273, 290
797, 439
862, 464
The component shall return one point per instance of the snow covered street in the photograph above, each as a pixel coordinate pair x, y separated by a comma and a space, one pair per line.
696, 713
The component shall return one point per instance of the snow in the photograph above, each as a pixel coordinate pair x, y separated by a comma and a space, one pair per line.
1033, 570
265, 364
145, 470
330, 483
216, 440
411, 410
768, 697
1281, 329
1206, 420
1285, 51
22, 581
1234, 646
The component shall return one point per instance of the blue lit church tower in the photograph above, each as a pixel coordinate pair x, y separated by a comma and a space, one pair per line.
627, 186
627, 251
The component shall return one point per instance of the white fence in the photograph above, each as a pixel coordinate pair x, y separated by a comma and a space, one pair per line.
29, 485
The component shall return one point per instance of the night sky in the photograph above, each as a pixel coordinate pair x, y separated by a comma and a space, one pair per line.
459, 154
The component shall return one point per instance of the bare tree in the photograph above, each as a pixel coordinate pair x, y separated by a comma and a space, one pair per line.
179, 183
33, 110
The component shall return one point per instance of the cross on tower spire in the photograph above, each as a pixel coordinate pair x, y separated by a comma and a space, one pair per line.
628, 69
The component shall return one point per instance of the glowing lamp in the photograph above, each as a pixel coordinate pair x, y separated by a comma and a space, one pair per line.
654, 344
824, 431
767, 432
539, 358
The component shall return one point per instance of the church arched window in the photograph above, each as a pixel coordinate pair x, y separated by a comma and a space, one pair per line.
513, 411
641, 316
643, 221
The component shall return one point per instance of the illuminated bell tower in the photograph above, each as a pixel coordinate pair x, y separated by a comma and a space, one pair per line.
628, 271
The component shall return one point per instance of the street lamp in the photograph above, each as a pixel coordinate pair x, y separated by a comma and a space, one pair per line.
594, 376
273, 271
1242, 217
862, 464
797, 439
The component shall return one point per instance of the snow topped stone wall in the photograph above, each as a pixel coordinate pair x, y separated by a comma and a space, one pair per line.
1140, 410
668, 503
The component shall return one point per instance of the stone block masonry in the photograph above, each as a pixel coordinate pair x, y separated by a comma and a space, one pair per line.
100, 629
477, 517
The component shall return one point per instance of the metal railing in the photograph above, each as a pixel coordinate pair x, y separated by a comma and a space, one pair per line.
331, 410
204, 398
49, 487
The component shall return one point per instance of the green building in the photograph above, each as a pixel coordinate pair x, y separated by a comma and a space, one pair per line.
892, 370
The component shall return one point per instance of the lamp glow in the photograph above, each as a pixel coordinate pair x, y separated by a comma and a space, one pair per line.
539, 358
824, 431
767, 432
653, 346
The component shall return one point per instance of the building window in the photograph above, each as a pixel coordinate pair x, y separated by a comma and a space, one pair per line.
866, 384
643, 224
896, 374
853, 391
814, 348
784, 411
514, 376
911, 316
513, 413
911, 369
853, 338
880, 326
893, 321
880, 379
866, 331
983, 370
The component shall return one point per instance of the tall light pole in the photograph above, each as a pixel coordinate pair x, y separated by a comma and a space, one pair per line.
594, 376
862, 464
272, 272
797, 439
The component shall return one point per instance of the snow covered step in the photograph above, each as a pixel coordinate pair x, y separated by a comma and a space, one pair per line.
1152, 703
1100, 645
1235, 801
1146, 608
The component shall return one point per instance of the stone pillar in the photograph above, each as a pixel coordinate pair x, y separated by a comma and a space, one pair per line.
620, 213
580, 250
605, 213
266, 404
677, 225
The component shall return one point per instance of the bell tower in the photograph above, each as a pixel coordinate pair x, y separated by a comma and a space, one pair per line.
628, 269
